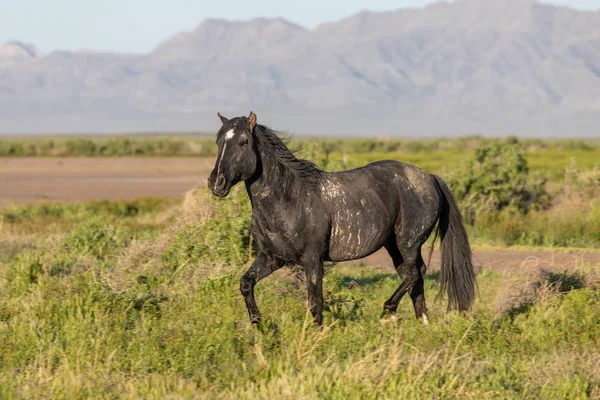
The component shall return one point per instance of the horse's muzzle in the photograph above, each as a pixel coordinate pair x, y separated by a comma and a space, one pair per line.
219, 187
221, 193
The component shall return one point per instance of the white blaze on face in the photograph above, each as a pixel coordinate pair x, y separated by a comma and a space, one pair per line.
228, 136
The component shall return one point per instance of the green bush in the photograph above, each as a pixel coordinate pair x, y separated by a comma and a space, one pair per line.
498, 179
80, 147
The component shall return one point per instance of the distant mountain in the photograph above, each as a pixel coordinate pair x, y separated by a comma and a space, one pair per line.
470, 66
15, 52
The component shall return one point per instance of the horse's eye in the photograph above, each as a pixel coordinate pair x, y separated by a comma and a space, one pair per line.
243, 141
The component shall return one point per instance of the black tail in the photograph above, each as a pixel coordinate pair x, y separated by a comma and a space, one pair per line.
457, 276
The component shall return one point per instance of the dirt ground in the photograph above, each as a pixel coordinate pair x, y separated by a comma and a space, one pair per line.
27, 180
502, 260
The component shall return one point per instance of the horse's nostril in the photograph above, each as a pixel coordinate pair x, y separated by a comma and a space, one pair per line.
220, 182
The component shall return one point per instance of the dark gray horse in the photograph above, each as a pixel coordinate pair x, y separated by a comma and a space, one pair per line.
302, 215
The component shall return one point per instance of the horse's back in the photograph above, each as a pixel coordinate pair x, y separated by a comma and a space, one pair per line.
407, 181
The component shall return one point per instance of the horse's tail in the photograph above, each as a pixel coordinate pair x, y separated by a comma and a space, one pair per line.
457, 276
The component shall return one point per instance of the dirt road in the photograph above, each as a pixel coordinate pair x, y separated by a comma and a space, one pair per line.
27, 180
502, 260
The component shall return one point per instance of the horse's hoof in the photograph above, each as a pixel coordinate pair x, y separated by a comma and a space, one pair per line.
255, 320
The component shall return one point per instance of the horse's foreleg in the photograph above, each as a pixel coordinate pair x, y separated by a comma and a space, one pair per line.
314, 284
262, 267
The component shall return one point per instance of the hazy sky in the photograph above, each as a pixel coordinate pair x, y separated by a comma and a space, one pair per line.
139, 25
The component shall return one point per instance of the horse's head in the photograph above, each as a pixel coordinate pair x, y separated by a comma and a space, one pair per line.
236, 158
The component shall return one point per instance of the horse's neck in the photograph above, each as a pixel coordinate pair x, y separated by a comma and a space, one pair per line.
271, 184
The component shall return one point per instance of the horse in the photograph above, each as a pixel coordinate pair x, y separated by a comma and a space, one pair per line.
302, 215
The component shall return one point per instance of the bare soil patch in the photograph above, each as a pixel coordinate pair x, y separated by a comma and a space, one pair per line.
502, 260
29, 180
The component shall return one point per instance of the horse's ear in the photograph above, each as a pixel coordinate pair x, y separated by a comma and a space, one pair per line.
251, 121
222, 118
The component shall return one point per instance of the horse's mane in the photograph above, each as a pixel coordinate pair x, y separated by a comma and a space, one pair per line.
274, 145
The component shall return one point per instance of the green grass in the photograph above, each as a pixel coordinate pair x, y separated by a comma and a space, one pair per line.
59, 217
571, 224
107, 147
131, 306
547, 158
551, 164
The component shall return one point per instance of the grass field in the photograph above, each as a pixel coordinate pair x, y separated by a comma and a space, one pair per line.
139, 299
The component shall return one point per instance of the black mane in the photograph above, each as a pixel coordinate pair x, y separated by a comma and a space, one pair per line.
275, 147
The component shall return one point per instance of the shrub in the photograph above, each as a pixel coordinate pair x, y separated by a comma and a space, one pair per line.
498, 179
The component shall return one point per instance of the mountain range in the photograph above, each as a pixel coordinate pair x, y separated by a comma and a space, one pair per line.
490, 67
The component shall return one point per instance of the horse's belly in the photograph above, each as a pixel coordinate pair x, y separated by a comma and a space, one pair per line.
354, 239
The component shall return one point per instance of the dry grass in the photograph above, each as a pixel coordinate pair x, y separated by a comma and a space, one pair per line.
532, 282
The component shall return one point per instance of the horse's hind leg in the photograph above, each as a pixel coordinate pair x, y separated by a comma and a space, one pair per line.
417, 292
403, 268
408, 264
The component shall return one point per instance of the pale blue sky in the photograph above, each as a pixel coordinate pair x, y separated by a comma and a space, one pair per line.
139, 25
